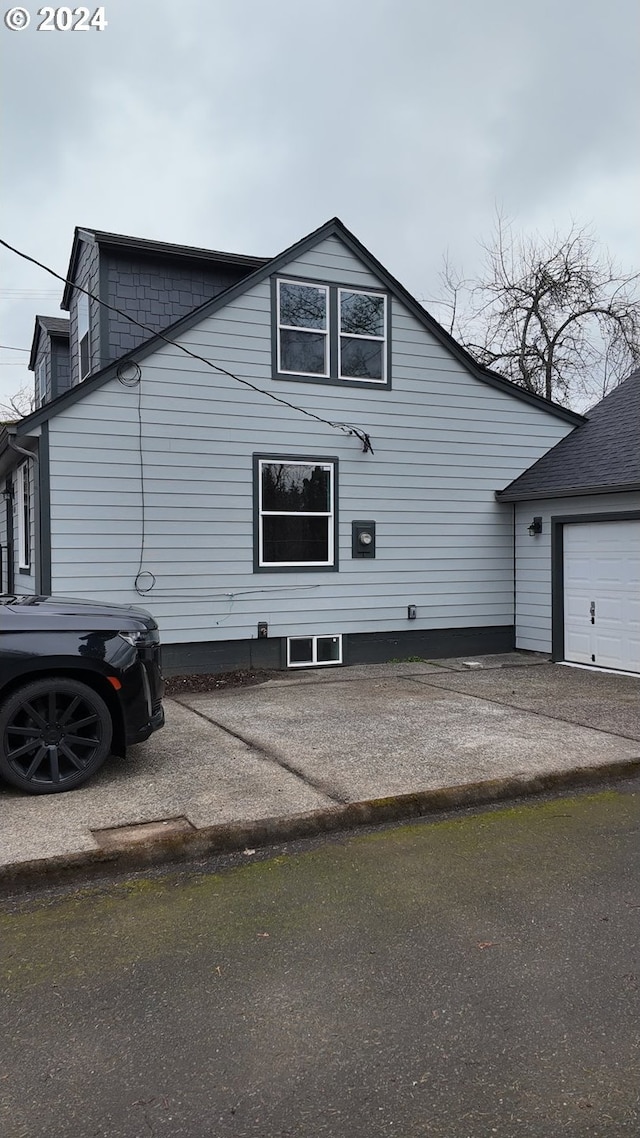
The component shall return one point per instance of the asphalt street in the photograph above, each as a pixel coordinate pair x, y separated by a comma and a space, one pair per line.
475, 975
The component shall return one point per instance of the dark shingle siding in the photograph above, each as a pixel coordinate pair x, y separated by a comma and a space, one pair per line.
157, 294
601, 454
61, 368
52, 338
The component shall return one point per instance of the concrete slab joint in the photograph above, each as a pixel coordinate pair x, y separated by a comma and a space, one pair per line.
290, 758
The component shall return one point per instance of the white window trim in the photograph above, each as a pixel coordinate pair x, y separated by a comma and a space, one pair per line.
23, 485
298, 328
330, 514
333, 333
354, 336
314, 662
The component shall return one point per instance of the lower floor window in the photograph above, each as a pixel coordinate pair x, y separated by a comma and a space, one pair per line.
296, 517
311, 651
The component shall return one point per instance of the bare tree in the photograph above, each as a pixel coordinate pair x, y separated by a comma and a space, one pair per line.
554, 314
18, 405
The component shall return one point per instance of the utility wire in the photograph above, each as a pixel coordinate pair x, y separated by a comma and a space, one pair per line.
346, 428
8, 348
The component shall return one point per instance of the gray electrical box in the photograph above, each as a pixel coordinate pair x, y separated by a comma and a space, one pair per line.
363, 539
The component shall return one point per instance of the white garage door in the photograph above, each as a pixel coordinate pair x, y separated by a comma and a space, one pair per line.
602, 594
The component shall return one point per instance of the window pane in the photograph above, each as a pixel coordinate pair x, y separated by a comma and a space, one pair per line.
303, 306
301, 651
292, 487
361, 314
85, 362
361, 359
83, 315
328, 649
302, 352
41, 381
295, 540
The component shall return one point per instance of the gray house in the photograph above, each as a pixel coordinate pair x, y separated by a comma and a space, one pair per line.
286, 460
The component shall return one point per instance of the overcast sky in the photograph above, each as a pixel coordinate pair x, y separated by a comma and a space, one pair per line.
242, 125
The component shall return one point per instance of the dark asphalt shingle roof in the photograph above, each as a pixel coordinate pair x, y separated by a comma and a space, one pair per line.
56, 325
599, 456
167, 250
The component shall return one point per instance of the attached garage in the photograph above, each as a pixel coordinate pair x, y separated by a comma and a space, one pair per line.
601, 583
576, 515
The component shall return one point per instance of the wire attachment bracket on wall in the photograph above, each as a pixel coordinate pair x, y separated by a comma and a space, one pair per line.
364, 438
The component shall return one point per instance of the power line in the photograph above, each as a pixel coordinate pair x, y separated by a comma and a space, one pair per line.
8, 348
346, 428
26, 294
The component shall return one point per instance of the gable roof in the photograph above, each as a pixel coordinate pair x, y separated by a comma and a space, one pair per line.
333, 228
600, 456
140, 245
54, 326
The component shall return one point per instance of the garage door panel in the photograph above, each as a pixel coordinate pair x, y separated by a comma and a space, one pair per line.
610, 609
578, 648
602, 565
607, 652
633, 614
609, 574
577, 606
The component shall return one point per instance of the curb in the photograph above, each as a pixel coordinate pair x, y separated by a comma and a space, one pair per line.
230, 837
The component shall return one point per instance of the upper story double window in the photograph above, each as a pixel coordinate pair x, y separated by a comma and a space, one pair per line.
325, 332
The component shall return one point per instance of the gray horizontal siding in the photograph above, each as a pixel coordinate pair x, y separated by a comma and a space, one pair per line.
533, 560
331, 261
443, 442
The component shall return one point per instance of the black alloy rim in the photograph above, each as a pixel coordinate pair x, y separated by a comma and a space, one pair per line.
53, 737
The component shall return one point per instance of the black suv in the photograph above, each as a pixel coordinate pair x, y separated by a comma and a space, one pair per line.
79, 680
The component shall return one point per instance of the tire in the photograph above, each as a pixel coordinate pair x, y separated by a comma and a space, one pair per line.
54, 735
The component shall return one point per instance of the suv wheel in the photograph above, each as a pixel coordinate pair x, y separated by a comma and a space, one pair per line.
54, 735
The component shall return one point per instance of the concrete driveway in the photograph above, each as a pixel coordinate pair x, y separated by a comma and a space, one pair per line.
313, 750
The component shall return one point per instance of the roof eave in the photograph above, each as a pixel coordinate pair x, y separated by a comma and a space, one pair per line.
533, 495
37, 330
167, 249
10, 455
456, 349
40, 329
333, 227
79, 235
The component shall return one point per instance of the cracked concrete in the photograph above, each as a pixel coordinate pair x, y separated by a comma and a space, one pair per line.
305, 743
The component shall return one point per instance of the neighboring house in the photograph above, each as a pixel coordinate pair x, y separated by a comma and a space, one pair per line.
325, 494
578, 573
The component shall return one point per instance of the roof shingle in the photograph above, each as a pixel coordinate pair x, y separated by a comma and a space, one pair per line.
599, 456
